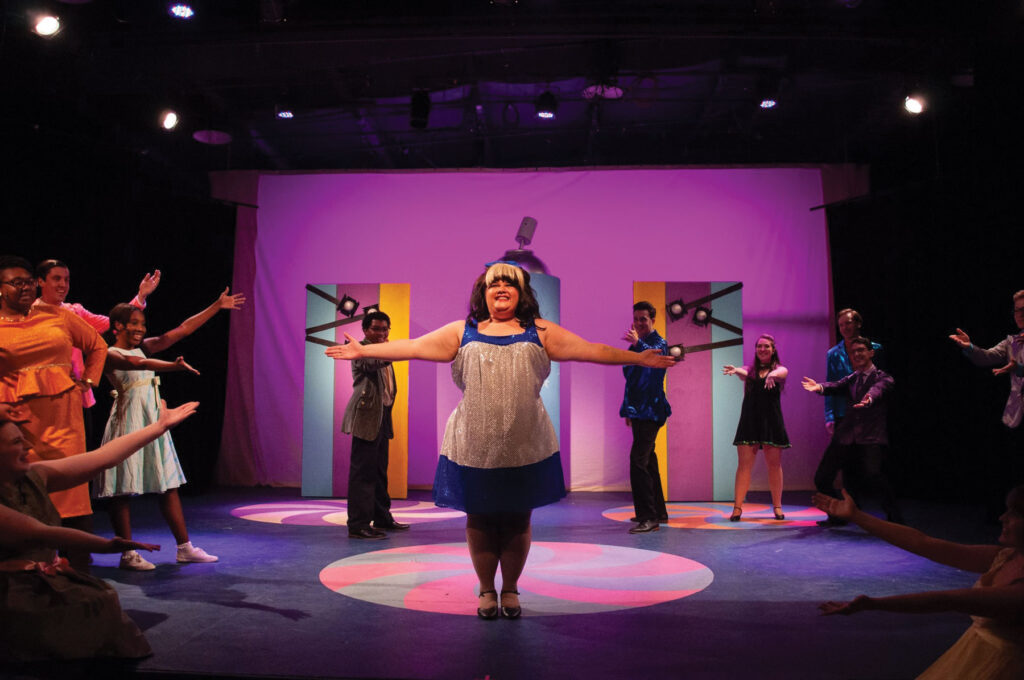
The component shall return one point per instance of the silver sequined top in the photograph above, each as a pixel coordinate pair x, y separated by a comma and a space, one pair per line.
501, 420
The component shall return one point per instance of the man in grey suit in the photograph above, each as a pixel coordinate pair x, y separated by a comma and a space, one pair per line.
861, 438
368, 420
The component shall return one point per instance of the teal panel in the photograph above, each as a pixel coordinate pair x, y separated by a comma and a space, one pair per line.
726, 390
549, 296
318, 402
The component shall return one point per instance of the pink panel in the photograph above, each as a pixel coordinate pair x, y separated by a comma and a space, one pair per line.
690, 433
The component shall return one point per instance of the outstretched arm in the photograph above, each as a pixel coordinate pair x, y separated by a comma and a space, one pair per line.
738, 371
189, 325
146, 287
976, 558
439, 345
131, 362
997, 602
65, 473
20, 531
564, 345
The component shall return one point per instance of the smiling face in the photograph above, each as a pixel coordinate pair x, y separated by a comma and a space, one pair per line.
130, 335
17, 290
502, 299
377, 331
764, 350
54, 287
849, 327
643, 324
860, 356
13, 453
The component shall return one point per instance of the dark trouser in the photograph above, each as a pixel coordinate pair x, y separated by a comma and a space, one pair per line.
644, 477
863, 467
368, 498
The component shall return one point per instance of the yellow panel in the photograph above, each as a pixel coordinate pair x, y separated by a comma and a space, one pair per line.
394, 301
654, 292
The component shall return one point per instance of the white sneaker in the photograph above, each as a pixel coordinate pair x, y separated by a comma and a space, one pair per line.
190, 553
135, 562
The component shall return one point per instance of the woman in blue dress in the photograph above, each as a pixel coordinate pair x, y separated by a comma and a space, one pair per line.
499, 457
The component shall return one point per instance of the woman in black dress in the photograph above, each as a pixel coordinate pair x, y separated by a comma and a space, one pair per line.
761, 423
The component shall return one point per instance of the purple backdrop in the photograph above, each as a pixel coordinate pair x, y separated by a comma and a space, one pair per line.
599, 230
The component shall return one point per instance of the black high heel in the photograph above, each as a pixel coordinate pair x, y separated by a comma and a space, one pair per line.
778, 512
511, 612
737, 512
490, 612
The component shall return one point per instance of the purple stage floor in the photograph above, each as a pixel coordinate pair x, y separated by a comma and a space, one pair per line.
293, 597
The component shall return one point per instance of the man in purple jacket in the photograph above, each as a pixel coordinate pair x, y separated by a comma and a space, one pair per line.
861, 438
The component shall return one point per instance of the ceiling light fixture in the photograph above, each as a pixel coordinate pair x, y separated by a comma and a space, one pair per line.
168, 119
546, 105
181, 10
46, 25
914, 104
768, 103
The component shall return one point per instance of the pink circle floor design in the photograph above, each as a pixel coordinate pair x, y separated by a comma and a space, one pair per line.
329, 512
560, 578
716, 516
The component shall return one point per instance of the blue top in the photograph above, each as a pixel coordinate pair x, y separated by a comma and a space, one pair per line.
472, 334
645, 387
838, 367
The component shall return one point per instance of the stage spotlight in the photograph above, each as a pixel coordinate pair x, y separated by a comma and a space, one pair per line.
914, 104
676, 310
181, 10
168, 119
677, 352
46, 25
370, 310
702, 316
546, 105
768, 103
348, 306
419, 109
284, 113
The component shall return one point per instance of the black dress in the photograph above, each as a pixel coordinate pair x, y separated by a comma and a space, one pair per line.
761, 415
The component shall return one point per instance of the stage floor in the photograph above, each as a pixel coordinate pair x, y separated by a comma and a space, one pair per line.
293, 596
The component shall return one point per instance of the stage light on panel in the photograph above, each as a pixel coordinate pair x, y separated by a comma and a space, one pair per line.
677, 352
676, 310
168, 119
371, 309
768, 103
348, 306
284, 113
914, 104
702, 316
181, 10
546, 105
46, 25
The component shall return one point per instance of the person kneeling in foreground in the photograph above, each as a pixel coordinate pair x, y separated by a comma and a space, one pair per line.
993, 647
47, 609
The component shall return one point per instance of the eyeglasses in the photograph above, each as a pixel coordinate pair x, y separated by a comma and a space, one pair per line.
19, 283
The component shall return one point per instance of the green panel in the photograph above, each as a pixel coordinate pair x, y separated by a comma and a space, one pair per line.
726, 390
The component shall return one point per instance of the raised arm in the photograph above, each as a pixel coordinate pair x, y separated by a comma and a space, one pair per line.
65, 473
188, 326
439, 345
19, 531
146, 287
975, 558
564, 345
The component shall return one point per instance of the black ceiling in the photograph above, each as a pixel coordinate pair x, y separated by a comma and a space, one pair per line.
691, 73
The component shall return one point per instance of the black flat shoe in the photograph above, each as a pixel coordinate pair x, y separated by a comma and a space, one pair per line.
644, 527
367, 533
391, 525
488, 613
737, 512
511, 612
778, 512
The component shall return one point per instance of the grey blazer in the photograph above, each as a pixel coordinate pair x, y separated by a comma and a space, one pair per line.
364, 414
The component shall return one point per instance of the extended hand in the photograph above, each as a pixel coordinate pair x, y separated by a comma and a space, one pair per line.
347, 352
961, 338
149, 284
810, 385
1005, 369
653, 358
169, 417
769, 382
231, 301
843, 509
863, 403
728, 369
16, 413
118, 544
857, 604
630, 336
184, 366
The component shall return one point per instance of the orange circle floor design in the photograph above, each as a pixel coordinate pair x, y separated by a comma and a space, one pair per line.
716, 516
330, 512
